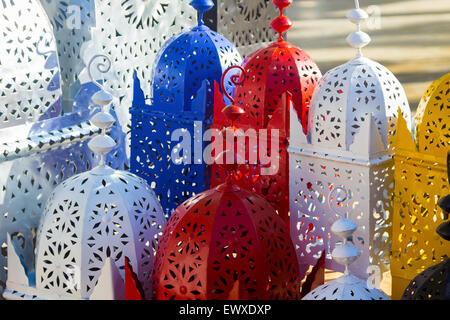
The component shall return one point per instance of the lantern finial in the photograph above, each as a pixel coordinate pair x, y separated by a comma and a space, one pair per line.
281, 23
233, 112
229, 160
347, 287
202, 6
346, 253
101, 144
358, 39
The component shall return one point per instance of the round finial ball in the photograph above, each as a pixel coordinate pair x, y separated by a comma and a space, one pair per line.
281, 24
281, 4
233, 112
202, 5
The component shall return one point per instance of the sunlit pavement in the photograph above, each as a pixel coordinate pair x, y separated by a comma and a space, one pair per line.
410, 37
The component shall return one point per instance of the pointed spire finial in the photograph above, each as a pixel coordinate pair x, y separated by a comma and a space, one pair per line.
358, 39
202, 6
281, 23
101, 144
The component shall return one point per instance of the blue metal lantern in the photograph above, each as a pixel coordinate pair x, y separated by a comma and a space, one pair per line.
181, 110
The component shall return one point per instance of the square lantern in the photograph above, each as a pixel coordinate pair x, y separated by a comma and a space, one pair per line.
167, 135
352, 121
420, 182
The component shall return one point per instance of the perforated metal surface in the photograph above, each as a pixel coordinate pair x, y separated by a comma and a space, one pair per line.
184, 75
132, 33
421, 166
83, 225
353, 121
71, 21
92, 220
346, 287
246, 23
30, 79
270, 74
226, 243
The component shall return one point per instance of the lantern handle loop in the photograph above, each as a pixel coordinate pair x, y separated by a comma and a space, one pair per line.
338, 200
101, 67
234, 79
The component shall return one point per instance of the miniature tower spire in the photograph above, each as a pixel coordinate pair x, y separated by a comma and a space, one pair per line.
101, 144
202, 6
358, 39
281, 23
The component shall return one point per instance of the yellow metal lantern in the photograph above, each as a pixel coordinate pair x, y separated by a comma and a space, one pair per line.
420, 181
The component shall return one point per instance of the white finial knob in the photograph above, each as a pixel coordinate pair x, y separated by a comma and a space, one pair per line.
358, 39
101, 144
345, 253
102, 98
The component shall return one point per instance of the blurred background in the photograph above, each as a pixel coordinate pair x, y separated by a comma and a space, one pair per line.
409, 37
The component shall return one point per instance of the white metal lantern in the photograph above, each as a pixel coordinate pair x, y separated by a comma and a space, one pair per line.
353, 118
92, 221
347, 287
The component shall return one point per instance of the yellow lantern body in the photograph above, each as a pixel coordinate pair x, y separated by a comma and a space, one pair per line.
420, 181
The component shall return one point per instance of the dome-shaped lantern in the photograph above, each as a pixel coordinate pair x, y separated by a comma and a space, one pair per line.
167, 136
420, 180
226, 243
353, 119
270, 74
434, 282
347, 287
91, 223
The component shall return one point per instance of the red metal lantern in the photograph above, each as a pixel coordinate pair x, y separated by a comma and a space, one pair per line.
273, 75
226, 243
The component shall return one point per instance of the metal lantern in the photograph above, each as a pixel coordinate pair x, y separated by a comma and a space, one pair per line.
72, 21
91, 222
347, 287
271, 73
434, 283
353, 119
183, 77
226, 243
420, 181
39, 147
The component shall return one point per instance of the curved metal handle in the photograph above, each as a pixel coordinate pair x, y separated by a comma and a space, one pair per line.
338, 200
47, 38
234, 79
101, 67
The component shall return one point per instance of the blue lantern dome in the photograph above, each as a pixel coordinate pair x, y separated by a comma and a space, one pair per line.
184, 63
188, 65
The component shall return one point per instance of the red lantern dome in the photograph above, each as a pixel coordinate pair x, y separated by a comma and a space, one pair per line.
226, 243
270, 73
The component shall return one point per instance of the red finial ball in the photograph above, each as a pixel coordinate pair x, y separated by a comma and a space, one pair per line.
281, 23
233, 112
281, 4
